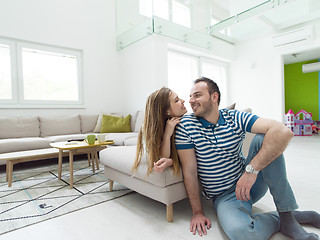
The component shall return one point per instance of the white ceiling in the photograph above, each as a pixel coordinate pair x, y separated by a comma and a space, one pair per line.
268, 17
302, 56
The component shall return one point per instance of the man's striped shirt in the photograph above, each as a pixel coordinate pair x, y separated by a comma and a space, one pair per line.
217, 147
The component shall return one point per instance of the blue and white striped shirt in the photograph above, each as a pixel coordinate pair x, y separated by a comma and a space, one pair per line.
217, 147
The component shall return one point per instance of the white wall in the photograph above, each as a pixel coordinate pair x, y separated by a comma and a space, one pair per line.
142, 70
256, 78
85, 25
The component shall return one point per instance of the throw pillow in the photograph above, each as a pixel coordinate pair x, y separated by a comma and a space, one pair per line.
232, 106
97, 128
111, 124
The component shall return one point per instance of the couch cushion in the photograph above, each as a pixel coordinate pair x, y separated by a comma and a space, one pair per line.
139, 121
16, 127
51, 126
23, 144
61, 138
122, 159
97, 128
112, 124
131, 141
119, 138
232, 106
88, 122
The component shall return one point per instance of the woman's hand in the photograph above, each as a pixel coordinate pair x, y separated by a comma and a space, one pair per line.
162, 164
170, 126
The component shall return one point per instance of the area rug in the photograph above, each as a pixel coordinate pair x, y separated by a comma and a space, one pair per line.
37, 194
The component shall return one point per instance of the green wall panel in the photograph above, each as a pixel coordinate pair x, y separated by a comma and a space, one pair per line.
301, 89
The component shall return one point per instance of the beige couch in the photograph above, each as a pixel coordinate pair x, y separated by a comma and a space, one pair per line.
163, 187
37, 132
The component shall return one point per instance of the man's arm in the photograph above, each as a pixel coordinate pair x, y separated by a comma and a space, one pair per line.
190, 175
276, 139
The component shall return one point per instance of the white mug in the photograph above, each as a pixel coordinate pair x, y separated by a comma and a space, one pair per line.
101, 138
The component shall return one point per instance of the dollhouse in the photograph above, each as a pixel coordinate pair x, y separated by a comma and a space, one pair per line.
299, 123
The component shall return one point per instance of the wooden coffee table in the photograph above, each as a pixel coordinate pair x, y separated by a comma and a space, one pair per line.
76, 147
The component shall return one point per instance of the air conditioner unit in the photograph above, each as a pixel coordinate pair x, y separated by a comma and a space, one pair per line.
311, 67
298, 35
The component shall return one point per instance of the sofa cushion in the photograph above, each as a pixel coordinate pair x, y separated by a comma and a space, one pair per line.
61, 138
15, 127
232, 106
122, 159
139, 121
23, 144
51, 126
97, 128
131, 141
111, 124
119, 138
88, 122
246, 110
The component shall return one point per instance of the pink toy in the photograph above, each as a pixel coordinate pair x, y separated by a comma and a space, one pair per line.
299, 123
315, 128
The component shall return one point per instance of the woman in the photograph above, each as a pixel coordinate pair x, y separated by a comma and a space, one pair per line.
162, 113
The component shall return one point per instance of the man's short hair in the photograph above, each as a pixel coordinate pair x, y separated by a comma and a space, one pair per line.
212, 86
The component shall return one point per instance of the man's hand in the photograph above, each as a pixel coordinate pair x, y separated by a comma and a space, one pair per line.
198, 223
244, 186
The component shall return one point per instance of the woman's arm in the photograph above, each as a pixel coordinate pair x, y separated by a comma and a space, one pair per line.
165, 148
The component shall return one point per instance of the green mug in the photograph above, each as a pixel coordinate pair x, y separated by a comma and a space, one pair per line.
90, 139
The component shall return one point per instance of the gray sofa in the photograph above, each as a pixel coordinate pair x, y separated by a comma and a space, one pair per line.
37, 132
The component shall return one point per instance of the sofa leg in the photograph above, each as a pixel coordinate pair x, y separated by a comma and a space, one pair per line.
110, 185
170, 213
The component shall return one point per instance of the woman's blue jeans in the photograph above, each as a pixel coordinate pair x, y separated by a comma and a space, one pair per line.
235, 216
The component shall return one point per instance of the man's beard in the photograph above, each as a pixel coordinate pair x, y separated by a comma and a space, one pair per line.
206, 108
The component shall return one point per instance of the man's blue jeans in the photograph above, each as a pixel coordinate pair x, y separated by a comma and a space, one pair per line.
235, 216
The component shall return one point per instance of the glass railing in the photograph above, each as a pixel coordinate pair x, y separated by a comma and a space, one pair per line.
190, 21
187, 22
267, 16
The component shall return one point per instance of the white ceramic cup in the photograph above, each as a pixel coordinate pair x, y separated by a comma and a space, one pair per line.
101, 138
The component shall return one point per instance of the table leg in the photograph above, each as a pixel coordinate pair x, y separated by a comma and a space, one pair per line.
71, 168
60, 163
92, 160
10, 173
97, 159
7, 170
88, 155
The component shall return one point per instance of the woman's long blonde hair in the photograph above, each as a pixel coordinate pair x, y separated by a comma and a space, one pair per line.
152, 130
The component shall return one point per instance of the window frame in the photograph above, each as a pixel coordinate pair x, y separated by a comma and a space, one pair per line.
13, 61
18, 100
206, 59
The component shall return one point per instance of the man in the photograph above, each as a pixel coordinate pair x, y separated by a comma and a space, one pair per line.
209, 146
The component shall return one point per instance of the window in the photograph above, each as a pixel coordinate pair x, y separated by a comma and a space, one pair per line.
181, 14
49, 76
43, 75
171, 10
5, 73
183, 69
217, 71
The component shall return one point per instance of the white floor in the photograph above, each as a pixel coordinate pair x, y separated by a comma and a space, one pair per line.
137, 217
